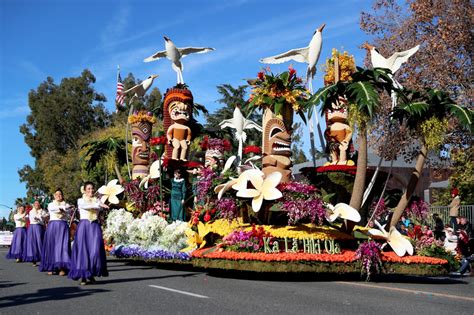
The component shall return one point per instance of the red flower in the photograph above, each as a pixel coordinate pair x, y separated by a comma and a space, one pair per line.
252, 149
213, 211
291, 71
158, 140
227, 145
207, 217
261, 75
205, 143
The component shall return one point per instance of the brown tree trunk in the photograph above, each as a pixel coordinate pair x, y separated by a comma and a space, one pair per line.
415, 176
359, 180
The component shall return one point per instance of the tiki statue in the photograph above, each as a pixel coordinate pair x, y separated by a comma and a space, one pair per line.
142, 124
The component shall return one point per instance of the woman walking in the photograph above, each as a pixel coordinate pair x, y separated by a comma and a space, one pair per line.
56, 253
88, 253
35, 233
18, 245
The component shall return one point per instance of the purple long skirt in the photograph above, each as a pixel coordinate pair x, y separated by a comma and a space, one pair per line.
88, 252
18, 247
34, 242
56, 252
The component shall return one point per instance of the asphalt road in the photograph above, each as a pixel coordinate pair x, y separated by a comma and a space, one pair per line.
135, 289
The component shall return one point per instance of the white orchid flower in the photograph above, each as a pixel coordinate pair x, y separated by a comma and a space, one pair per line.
397, 241
343, 211
110, 192
265, 189
154, 173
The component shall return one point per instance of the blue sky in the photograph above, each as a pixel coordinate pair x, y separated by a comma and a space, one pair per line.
60, 38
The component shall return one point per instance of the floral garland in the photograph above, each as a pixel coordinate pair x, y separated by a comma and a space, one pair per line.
135, 251
346, 67
252, 149
221, 145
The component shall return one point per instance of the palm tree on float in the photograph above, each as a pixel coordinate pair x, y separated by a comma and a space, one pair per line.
99, 151
363, 91
415, 109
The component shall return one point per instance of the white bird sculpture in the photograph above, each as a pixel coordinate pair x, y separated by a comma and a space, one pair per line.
309, 55
140, 89
393, 63
239, 123
175, 54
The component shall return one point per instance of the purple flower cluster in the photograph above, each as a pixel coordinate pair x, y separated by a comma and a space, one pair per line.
135, 251
248, 241
205, 183
227, 209
143, 200
299, 210
381, 210
368, 254
298, 187
418, 210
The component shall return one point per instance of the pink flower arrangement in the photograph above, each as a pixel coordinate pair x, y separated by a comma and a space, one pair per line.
369, 255
227, 209
418, 209
247, 241
221, 145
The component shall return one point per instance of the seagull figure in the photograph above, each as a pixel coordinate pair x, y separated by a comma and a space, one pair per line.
393, 63
175, 54
309, 55
140, 89
239, 123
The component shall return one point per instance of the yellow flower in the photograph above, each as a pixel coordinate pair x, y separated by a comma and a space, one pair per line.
196, 239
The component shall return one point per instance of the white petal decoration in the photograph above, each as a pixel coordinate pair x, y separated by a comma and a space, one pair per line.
244, 178
228, 164
264, 189
343, 211
222, 188
154, 173
110, 192
395, 239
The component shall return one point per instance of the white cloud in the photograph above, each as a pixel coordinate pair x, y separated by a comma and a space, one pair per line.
14, 112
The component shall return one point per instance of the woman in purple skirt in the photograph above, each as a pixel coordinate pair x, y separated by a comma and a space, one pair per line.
88, 253
18, 246
35, 233
56, 252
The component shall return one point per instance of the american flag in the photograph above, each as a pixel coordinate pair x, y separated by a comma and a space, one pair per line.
120, 97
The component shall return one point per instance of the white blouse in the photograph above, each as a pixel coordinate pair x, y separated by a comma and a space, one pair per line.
37, 216
88, 208
20, 220
54, 210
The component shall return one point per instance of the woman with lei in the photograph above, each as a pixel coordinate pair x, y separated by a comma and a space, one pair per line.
88, 253
56, 252
18, 246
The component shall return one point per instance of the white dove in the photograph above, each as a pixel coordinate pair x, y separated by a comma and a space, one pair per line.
309, 55
239, 123
175, 54
393, 63
140, 89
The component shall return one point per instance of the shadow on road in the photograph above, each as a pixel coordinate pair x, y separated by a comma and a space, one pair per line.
9, 284
127, 269
44, 295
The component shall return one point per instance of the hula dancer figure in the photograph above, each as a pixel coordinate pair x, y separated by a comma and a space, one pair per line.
18, 247
178, 194
88, 253
56, 253
35, 233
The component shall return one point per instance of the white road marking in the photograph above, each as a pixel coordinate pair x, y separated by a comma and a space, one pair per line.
179, 291
373, 286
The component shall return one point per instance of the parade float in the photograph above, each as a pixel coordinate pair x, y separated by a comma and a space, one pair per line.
249, 213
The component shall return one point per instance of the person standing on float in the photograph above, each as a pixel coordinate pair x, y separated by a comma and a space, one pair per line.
178, 195
56, 253
88, 258
18, 246
35, 233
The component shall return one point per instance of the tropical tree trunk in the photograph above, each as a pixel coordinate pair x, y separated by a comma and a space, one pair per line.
415, 176
359, 181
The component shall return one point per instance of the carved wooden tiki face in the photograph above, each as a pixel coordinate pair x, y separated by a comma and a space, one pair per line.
276, 144
141, 133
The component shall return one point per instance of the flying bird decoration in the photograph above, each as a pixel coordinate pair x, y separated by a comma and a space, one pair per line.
174, 54
239, 123
140, 89
395, 239
309, 55
343, 211
393, 63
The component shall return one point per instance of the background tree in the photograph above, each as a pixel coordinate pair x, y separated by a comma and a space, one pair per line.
443, 29
297, 152
60, 116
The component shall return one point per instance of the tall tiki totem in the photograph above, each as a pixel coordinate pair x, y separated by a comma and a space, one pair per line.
276, 142
142, 125
177, 111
